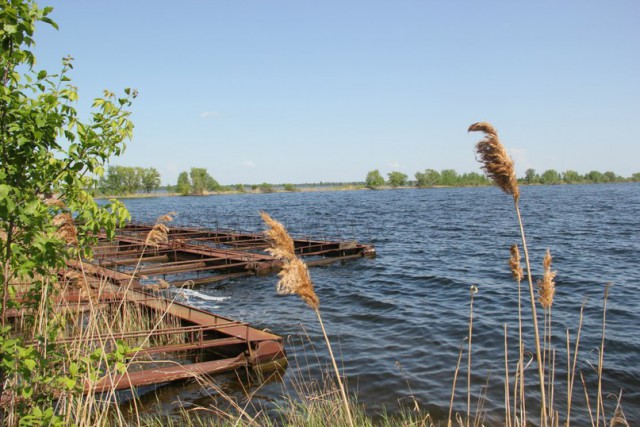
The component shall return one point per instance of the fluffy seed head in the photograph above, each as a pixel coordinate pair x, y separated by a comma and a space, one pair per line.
160, 232
514, 263
546, 285
294, 276
52, 202
496, 163
66, 228
295, 279
281, 244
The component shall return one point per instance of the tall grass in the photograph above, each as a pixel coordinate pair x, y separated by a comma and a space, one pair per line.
295, 279
92, 350
500, 168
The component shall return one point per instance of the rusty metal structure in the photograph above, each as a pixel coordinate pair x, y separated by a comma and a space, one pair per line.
126, 271
195, 256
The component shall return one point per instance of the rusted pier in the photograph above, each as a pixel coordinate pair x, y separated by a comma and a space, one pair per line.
194, 256
181, 342
125, 274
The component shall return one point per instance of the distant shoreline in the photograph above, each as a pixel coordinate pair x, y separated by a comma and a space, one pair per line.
319, 188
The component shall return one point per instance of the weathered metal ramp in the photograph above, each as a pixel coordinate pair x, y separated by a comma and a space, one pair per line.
194, 256
128, 272
202, 343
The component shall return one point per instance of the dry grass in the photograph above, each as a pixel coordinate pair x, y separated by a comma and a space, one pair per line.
499, 167
295, 279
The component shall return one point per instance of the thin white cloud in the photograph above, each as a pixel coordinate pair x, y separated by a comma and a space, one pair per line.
394, 165
248, 164
208, 114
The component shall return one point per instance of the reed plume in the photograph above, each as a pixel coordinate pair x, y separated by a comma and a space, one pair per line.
280, 243
496, 162
295, 279
66, 229
516, 269
160, 232
546, 285
294, 276
499, 167
514, 263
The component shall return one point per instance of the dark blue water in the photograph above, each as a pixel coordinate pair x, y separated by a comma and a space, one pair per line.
398, 321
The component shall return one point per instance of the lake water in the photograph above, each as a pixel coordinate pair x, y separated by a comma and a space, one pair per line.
397, 322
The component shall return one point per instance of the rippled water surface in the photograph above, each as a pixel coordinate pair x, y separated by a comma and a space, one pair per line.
398, 321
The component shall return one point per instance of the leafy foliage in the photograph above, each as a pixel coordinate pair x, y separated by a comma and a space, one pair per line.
197, 181
50, 157
374, 179
150, 179
122, 180
428, 178
265, 188
397, 179
184, 184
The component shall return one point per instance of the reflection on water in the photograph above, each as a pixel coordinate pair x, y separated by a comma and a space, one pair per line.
397, 321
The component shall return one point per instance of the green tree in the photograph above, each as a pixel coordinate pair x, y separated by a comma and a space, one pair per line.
610, 176
50, 157
201, 181
594, 177
571, 177
150, 178
111, 182
550, 176
290, 187
635, 177
474, 178
184, 184
397, 179
531, 177
266, 188
374, 179
428, 178
449, 177
131, 180
212, 184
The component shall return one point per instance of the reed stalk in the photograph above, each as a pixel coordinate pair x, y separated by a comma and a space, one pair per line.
473, 290
499, 167
507, 381
543, 405
601, 360
571, 371
586, 397
518, 392
295, 279
455, 380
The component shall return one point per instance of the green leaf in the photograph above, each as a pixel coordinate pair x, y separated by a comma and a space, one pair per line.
74, 369
4, 190
27, 392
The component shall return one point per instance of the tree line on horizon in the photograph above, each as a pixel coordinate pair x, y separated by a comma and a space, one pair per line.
127, 180
124, 180
451, 178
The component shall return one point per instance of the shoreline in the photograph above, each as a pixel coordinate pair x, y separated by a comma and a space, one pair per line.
310, 189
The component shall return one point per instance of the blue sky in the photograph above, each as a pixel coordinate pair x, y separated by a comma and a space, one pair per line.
308, 91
